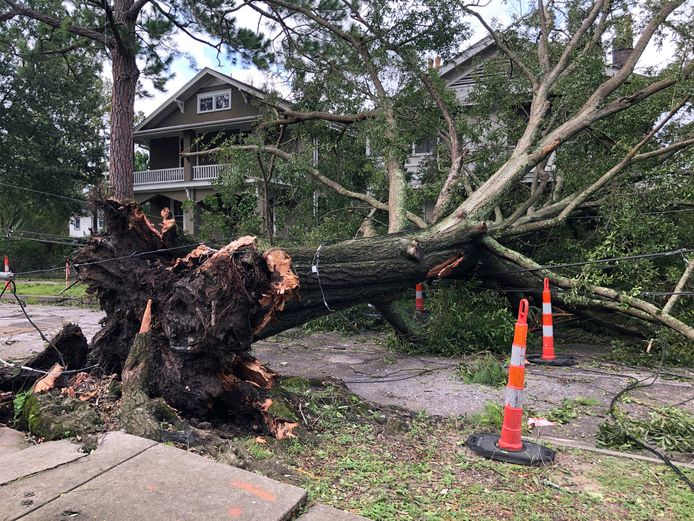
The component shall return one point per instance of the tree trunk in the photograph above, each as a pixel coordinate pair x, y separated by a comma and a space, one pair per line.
125, 76
208, 306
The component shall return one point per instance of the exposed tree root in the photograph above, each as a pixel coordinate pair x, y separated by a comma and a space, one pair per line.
68, 348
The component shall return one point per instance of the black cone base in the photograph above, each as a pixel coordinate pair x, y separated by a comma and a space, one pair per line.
560, 361
531, 454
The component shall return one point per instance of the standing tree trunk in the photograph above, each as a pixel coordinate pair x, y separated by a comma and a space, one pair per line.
125, 76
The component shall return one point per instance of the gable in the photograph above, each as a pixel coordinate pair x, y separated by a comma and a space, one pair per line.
240, 106
182, 108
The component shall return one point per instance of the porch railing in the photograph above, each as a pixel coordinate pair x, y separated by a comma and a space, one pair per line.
160, 175
207, 172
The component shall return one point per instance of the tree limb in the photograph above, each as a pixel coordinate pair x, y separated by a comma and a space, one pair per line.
679, 287
504, 48
19, 10
313, 172
609, 298
291, 117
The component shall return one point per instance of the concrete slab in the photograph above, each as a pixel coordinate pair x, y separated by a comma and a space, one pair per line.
25, 495
167, 484
326, 513
37, 458
12, 441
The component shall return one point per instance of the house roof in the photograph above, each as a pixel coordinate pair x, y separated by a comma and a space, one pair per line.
192, 86
469, 53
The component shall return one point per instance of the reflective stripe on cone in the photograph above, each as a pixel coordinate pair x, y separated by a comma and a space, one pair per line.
419, 297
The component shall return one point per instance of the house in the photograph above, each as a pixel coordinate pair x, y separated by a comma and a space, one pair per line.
210, 106
82, 225
468, 69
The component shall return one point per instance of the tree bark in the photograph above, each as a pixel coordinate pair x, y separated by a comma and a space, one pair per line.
208, 306
121, 160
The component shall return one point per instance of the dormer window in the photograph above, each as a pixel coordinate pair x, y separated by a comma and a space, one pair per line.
213, 101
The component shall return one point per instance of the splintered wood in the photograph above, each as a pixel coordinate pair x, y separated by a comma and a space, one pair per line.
284, 285
445, 268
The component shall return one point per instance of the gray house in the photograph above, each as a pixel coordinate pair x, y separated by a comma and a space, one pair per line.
209, 106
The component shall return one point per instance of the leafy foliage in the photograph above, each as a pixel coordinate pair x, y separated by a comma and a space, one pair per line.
668, 428
485, 370
464, 317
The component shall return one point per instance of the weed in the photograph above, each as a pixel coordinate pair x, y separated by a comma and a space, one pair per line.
484, 370
257, 451
569, 409
18, 403
492, 416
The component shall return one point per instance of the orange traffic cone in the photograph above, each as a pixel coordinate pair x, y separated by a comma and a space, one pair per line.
510, 447
419, 298
7, 274
513, 409
548, 357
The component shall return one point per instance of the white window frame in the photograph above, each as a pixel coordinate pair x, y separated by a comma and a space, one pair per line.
212, 95
77, 223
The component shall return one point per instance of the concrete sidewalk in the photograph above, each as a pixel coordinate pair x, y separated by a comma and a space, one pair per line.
131, 478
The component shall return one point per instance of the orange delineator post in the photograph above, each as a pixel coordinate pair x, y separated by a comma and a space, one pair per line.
419, 297
547, 328
7, 270
512, 427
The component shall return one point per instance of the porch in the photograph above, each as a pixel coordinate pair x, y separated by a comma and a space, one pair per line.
201, 174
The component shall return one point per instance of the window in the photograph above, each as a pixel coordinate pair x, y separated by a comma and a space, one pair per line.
426, 146
77, 223
212, 101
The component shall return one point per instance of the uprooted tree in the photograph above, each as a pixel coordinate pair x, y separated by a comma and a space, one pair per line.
181, 317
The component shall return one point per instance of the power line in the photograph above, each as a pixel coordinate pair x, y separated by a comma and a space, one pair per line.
599, 261
82, 201
103, 261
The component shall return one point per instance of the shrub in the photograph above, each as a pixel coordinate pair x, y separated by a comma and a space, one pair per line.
464, 317
484, 370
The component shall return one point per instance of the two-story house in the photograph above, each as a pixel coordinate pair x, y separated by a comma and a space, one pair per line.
209, 106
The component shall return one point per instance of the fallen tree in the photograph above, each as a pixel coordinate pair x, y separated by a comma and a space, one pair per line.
206, 306
190, 345
181, 317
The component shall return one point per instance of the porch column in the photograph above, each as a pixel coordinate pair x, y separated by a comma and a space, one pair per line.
187, 160
189, 214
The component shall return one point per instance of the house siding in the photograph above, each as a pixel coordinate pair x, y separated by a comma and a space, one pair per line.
239, 109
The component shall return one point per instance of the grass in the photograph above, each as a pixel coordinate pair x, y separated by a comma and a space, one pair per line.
387, 464
49, 288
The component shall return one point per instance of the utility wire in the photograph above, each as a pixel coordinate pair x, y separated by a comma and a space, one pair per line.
103, 261
600, 261
82, 201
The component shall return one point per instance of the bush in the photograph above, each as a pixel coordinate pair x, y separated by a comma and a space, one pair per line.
464, 317
484, 370
357, 319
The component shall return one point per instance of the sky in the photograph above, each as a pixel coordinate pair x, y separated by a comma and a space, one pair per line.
500, 11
